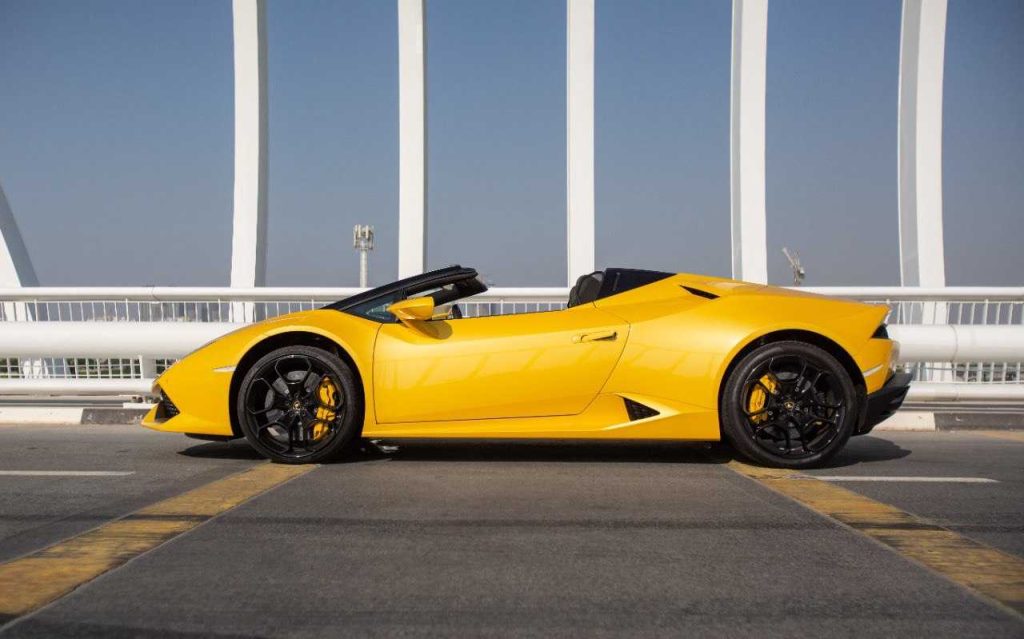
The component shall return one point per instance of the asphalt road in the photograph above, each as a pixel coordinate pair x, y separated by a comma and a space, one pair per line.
509, 540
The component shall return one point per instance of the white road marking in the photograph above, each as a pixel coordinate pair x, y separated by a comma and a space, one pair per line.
66, 473
927, 480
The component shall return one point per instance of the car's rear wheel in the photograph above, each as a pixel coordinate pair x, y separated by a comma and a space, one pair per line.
298, 405
789, 404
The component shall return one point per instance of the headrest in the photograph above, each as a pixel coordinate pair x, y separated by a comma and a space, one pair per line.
587, 288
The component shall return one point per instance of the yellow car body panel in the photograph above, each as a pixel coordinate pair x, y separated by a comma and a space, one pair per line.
557, 374
505, 366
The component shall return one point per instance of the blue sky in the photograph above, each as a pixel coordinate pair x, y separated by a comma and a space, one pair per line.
116, 138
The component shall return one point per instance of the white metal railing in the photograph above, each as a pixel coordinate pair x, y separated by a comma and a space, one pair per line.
115, 340
952, 305
185, 304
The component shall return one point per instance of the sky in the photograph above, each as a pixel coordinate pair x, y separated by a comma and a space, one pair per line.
116, 138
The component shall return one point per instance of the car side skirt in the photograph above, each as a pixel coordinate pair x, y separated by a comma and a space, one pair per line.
607, 417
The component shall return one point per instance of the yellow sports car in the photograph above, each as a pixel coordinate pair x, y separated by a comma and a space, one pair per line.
784, 377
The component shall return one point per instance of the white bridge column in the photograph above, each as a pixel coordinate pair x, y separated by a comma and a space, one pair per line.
15, 265
15, 271
580, 137
412, 138
747, 163
922, 48
249, 230
249, 227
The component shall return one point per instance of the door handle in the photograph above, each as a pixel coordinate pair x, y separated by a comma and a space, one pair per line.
600, 336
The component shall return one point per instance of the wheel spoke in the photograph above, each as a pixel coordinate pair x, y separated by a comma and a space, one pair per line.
820, 404
295, 387
789, 440
812, 385
764, 427
274, 401
833, 421
804, 427
264, 434
263, 411
799, 378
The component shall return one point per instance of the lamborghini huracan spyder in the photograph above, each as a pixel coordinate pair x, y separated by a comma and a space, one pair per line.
784, 377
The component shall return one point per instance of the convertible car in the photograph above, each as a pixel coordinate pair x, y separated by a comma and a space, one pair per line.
786, 378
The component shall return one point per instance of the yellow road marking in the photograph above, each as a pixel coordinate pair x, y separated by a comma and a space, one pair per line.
994, 574
37, 579
1011, 435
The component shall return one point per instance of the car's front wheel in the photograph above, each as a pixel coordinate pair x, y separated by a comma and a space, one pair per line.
789, 404
299, 404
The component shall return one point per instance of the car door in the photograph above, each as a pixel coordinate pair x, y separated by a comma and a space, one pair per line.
523, 365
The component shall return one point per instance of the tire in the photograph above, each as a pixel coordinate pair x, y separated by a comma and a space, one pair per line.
299, 405
789, 405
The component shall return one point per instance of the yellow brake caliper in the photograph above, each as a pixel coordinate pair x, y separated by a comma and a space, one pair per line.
758, 397
327, 393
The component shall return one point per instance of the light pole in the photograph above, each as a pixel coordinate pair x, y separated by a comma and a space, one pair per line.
362, 241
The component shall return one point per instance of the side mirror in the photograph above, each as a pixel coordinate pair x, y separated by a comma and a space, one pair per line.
417, 309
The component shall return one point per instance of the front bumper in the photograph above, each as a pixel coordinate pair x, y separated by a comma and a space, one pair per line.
194, 398
881, 404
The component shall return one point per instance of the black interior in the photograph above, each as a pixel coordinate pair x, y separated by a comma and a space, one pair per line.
587, 289
611, 281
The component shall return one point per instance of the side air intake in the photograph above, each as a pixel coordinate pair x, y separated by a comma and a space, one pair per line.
700, 293
636, 410
166, 408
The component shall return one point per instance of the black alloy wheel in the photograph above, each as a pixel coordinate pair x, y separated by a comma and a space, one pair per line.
789, 404
299, 404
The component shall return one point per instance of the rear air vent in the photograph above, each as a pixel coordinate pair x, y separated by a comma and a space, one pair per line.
636, 410
700, 293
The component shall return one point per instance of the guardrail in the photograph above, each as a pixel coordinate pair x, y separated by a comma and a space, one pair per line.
966, 343
951, 305
221, 304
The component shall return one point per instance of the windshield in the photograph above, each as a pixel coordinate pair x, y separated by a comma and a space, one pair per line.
444, 286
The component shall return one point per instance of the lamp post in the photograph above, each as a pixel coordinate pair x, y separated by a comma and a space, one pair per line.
362, 241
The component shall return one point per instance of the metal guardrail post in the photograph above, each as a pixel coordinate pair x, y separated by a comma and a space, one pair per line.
147, 367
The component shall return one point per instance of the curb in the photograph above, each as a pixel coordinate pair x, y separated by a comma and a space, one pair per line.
906, 421
107, 416
979, 421
66, 415
40, 415
924, 421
